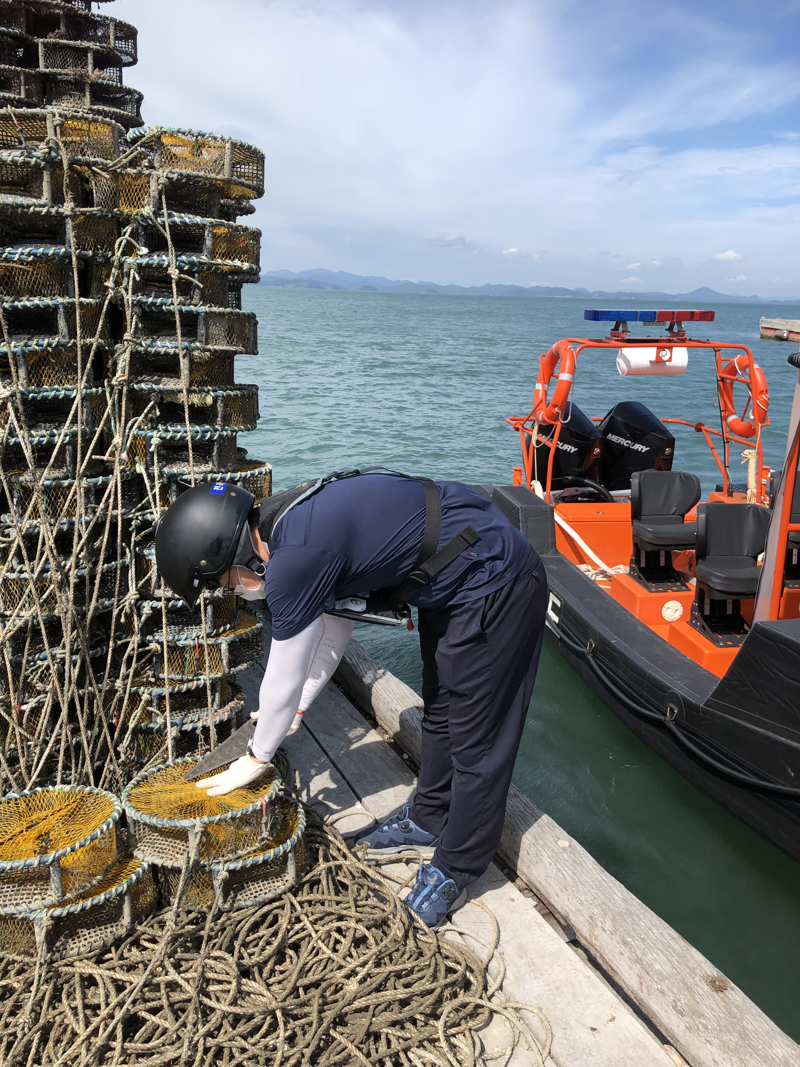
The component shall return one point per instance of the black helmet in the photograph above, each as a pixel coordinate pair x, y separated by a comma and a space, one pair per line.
202, 535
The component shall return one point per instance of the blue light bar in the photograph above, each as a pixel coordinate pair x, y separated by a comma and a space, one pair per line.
620, 316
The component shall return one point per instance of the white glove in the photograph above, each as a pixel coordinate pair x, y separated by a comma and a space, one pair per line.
241, 773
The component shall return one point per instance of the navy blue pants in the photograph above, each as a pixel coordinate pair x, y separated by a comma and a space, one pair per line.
479, 664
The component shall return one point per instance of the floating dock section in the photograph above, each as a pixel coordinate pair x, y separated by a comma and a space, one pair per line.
780, 330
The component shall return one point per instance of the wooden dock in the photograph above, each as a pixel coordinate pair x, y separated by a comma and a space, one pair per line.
617, 984
780, 329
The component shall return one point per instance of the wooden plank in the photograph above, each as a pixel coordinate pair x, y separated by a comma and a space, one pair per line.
323, 786
592, 1027
707, 1018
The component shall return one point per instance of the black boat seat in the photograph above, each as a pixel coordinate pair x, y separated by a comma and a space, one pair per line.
733, 577
730, 538
665, 532
659, 502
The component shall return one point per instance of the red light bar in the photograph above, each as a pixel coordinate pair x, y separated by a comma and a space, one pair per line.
685, 316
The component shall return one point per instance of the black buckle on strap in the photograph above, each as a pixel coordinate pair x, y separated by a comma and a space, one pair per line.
417, 579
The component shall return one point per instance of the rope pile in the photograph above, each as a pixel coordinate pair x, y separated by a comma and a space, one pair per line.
334, 973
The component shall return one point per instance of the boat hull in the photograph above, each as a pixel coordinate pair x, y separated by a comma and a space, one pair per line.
668, 700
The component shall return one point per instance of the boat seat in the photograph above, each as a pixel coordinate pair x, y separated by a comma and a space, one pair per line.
730, 538
729, 576
659, 502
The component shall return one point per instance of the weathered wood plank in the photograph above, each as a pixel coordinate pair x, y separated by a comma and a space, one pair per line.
592, 1026
707, 1018
323, 787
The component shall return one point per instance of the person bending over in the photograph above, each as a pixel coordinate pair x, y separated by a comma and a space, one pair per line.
324, 552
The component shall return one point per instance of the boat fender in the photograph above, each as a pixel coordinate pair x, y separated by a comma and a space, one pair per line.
736, 370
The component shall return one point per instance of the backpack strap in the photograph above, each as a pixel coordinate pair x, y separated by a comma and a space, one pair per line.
429, 561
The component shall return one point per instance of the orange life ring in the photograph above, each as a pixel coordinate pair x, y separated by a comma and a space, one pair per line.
759, 395
563, 354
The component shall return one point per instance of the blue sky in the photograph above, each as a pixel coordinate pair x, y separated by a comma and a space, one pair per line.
619, 145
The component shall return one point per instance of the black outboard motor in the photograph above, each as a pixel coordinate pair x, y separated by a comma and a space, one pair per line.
578, 451
633, 440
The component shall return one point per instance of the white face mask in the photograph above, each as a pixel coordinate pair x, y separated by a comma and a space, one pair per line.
250, 594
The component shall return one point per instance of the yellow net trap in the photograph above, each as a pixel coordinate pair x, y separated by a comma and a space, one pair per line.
55, 843
172, 819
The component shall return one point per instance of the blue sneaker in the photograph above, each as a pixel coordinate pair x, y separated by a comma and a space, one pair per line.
398, 834
434, 896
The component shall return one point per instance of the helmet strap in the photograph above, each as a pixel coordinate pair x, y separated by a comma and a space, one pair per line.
246, 555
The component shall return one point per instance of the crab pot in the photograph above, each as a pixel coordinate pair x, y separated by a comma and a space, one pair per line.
254, 879
191, 733
171, 820
87, 923
56, 843
157, 363
188, 658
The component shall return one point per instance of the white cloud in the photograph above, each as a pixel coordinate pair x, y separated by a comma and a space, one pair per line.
633, 266
339, 94
452, 244
520, 255
738, 278
623, 281
727, 257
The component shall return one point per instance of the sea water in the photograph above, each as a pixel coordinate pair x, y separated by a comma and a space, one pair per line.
423, 384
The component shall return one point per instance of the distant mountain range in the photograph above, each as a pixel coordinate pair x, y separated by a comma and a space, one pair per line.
318, 278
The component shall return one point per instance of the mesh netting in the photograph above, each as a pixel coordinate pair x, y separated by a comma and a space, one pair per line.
118, 102
221, 409
172, 819
144, 744
90, 136
54, 843
146, 700
57, 499
20, 88
91, 921
206, 366
205, 153
252, 475
256, 878
216, 616
234, 651
121, 266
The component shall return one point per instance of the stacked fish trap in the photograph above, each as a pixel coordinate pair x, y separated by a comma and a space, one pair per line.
67, 884
237, 850
121, 271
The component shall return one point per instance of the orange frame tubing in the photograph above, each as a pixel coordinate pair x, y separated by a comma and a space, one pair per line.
528, 443
786, 526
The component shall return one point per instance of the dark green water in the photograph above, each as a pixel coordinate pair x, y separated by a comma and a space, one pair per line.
423, 384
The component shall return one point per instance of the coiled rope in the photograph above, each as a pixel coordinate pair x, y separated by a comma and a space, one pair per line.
334, 973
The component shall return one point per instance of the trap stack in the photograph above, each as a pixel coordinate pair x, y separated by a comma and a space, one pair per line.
241, 849
122, 263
